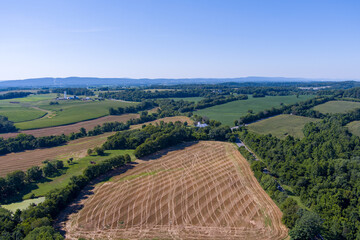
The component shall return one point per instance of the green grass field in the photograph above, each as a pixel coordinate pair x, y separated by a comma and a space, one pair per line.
189, 99
282, 125
74, 169
337, 107
23, 204
21, 109
229, 112
21, 114
354, 128
68, 112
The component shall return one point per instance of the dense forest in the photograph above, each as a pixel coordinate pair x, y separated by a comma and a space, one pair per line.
322, 168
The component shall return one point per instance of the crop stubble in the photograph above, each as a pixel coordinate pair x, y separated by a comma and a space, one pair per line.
202, 190
76, 148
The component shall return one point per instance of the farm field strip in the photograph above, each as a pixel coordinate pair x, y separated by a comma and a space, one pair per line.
76, 148
282, 125
229, 112
202, 190
337, 107
67, 129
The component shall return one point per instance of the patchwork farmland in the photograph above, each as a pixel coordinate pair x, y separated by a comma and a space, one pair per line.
76, 149
202, 190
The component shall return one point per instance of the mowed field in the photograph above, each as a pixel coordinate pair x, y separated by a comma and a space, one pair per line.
24, 109
282, 125
229, 112
202, 190
354, 127
67, 129
76, 149
337, 107
68, 112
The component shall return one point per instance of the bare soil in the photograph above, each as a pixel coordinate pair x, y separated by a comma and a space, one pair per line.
202, 190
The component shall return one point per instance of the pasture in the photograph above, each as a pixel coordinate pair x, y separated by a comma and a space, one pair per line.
229, 112
337, 107
202, 190
68, 112
282, 125
354, 128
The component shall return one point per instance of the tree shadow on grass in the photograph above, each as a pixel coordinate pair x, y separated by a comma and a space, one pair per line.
25, 190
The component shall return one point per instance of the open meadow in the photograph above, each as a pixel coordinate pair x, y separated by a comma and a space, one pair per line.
337, 107
282, 125
229, 112
202, 190
354, 128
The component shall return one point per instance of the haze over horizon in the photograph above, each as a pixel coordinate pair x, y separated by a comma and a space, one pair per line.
180, 39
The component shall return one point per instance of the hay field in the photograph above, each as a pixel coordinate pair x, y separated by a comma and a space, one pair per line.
337, 107
202, 190
229, 112
67, 129
282, 125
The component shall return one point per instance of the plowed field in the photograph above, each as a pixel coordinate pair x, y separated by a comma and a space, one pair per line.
202, 190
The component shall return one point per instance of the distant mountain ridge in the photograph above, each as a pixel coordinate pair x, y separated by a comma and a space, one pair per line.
93, 81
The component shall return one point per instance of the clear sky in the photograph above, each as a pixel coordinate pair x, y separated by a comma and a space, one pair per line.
179, 38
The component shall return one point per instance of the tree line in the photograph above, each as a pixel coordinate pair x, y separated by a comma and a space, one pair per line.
152, 138
144, 105
36, 222
300, 109
323, 169
28, 142
74, 91
11, 95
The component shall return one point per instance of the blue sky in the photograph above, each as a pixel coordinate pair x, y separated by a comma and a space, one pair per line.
180, 39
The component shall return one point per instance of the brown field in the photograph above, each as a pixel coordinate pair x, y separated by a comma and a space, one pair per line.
27, 159
76, 149
202, 190
166, 120
67, 129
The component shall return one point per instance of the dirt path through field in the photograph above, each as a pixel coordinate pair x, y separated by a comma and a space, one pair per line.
202, 190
